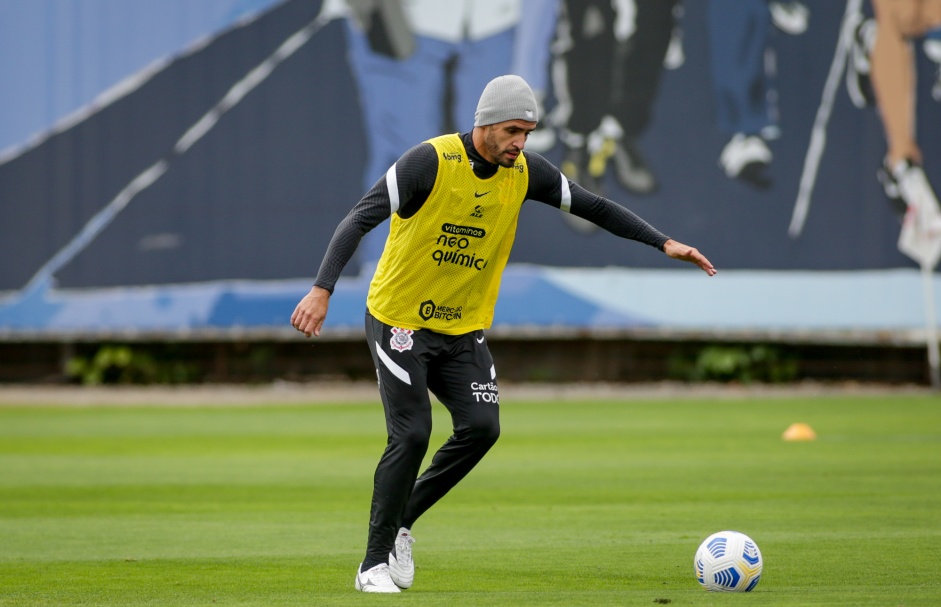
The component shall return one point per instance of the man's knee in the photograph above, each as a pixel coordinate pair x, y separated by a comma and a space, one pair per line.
484, 431
412, 439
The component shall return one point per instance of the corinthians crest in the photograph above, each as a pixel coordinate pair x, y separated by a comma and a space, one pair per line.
401, 339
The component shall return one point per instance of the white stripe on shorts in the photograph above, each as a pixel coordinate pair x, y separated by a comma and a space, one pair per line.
391, 366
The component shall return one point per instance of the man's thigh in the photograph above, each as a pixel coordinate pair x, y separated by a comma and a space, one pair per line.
466, 383
400, 357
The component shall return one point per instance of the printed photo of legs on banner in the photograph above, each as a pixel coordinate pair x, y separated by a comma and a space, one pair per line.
408, 98
743, 63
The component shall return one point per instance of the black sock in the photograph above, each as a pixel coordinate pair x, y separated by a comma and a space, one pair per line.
369, 564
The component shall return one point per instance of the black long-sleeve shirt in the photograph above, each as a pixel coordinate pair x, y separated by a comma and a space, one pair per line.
415, 174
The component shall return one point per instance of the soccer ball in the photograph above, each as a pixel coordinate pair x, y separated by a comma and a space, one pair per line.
728, 561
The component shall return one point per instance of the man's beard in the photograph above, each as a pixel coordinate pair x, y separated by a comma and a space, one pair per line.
494, 150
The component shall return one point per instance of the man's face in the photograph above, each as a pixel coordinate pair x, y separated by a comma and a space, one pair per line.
505, 140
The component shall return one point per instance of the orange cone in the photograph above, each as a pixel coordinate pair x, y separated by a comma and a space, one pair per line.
799, 431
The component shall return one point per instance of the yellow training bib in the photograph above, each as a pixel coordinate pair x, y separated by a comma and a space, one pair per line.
441, 268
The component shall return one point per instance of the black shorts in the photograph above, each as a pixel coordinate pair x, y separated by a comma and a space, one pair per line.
457, 369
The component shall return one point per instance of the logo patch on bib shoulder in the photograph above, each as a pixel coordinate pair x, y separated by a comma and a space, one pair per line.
401, 339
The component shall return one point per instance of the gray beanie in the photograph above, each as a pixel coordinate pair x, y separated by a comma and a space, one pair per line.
506, 98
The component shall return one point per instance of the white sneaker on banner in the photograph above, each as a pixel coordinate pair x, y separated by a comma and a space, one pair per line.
791, 17
746, 157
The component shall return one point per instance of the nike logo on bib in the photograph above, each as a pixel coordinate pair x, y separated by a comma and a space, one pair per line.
478, 195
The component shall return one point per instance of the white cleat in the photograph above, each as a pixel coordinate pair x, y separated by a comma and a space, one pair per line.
401, 565
376, 579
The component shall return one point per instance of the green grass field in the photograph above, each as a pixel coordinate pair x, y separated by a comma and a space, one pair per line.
580, 503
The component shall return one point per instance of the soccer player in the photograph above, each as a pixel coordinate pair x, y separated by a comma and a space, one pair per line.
454, 201
882, 70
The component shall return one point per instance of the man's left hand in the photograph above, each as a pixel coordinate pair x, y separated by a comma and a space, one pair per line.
683, 252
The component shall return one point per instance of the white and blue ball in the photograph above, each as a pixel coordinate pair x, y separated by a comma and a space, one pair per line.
728, 561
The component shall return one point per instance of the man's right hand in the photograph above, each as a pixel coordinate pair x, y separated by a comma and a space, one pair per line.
311, 311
